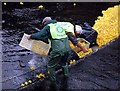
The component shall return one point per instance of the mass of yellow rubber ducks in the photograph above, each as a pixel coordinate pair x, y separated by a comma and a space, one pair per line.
107, 25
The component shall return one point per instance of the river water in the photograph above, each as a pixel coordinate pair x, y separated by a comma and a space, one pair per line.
16, 21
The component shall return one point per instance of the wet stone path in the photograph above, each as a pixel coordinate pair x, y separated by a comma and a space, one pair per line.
15, 62
98, 71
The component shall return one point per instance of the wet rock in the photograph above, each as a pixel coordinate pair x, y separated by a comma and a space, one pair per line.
97, 71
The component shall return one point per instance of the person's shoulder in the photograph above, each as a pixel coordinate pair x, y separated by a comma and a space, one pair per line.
46, 27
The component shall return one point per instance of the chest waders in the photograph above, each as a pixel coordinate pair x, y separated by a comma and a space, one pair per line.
58, 33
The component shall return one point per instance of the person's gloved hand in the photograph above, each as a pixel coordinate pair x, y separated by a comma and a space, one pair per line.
81, 47
84, 50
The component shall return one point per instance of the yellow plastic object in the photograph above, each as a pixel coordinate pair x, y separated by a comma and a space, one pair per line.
40, 75
40, 47
21, 3
72, 61
32, 68
30, 81
83, 43
108, 25
22, 85
41, 6
82, 54
26, 83
37, 76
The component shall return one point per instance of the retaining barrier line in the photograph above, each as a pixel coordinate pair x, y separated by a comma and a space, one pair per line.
19, 75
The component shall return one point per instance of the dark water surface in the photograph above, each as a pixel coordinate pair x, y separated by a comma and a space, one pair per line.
17, 20
99, 71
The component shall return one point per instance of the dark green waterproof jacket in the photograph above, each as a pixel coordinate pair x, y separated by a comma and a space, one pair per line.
58, 46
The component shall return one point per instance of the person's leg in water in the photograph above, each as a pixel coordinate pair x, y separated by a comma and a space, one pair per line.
64, 64
52, 64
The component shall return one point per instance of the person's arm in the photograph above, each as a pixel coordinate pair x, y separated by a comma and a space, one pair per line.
42, 35
75, 42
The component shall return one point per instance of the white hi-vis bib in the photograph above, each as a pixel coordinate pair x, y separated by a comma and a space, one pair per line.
58, 30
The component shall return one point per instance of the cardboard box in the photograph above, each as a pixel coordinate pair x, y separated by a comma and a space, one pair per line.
36, 46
